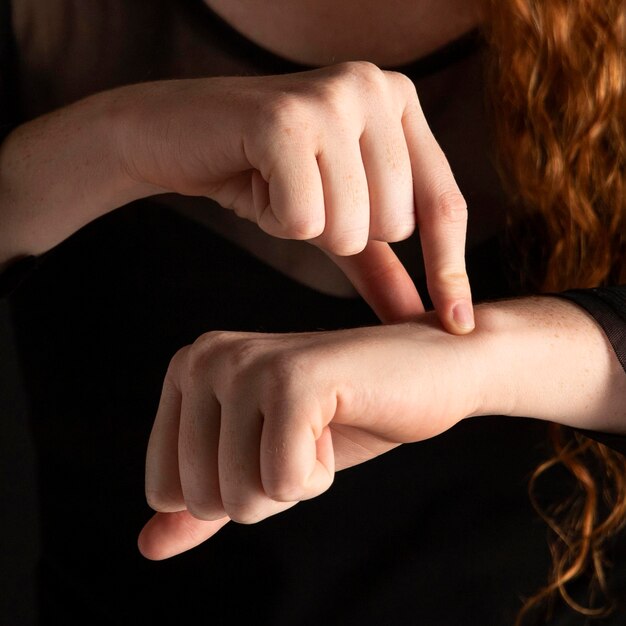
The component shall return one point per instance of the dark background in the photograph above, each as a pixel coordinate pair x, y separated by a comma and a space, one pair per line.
19, 529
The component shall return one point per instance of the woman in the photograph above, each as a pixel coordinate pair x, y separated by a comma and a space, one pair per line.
249, 424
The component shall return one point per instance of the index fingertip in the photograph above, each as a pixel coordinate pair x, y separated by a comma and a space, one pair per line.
462, 318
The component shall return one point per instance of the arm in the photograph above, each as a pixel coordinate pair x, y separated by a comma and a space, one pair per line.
333, 400
341, 157
61, 171
554, 362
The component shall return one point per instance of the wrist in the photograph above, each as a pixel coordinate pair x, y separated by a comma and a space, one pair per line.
546, 358
62, 170
121, 121
497, 343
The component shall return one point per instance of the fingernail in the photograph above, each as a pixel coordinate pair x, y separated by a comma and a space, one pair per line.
463, 315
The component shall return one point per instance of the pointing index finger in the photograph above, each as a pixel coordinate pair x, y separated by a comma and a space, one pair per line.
441, 214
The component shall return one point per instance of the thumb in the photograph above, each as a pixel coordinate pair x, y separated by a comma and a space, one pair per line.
383, 282
169, 534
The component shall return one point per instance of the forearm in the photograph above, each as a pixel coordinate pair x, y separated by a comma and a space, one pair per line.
549, 359
61, 171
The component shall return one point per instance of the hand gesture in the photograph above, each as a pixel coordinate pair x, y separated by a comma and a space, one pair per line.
341, 157
250, 424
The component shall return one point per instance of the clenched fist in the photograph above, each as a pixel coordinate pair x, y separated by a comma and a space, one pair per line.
341, 157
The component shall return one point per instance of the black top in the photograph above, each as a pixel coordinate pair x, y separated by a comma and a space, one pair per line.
440, 532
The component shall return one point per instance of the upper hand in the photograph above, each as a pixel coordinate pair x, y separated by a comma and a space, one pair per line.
340, 156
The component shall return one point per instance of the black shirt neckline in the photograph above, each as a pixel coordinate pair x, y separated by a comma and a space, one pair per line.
239, 45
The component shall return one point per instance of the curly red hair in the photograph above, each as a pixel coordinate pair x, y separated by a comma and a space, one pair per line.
558, 97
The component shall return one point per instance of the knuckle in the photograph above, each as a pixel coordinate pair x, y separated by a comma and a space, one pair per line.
283, 488
285, 374
298, 229
449, 279
348, 81
307, 230
285, 112
451, 208
204, 510
347, 243
210, 341
221, 351
404, 83
283, 492
335, 98
202, 352
283, 368
398, 230
347, 247
242, 354
160, 501
178, 362
286, 123
365, 72
242, 512
155, 501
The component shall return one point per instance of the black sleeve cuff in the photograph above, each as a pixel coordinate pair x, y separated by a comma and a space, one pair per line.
607, 305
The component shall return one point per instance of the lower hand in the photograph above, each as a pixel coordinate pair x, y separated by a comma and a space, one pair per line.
250, 424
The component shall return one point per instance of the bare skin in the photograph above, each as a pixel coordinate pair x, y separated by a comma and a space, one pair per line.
322, 32
143, 140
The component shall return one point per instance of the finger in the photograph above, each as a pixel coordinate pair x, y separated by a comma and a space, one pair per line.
243, 496
383, 282
240, 481
291, 203
168, 534
237, 194
198, 453
297, 460
163, 488
442, 221
389, 179
346, 199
